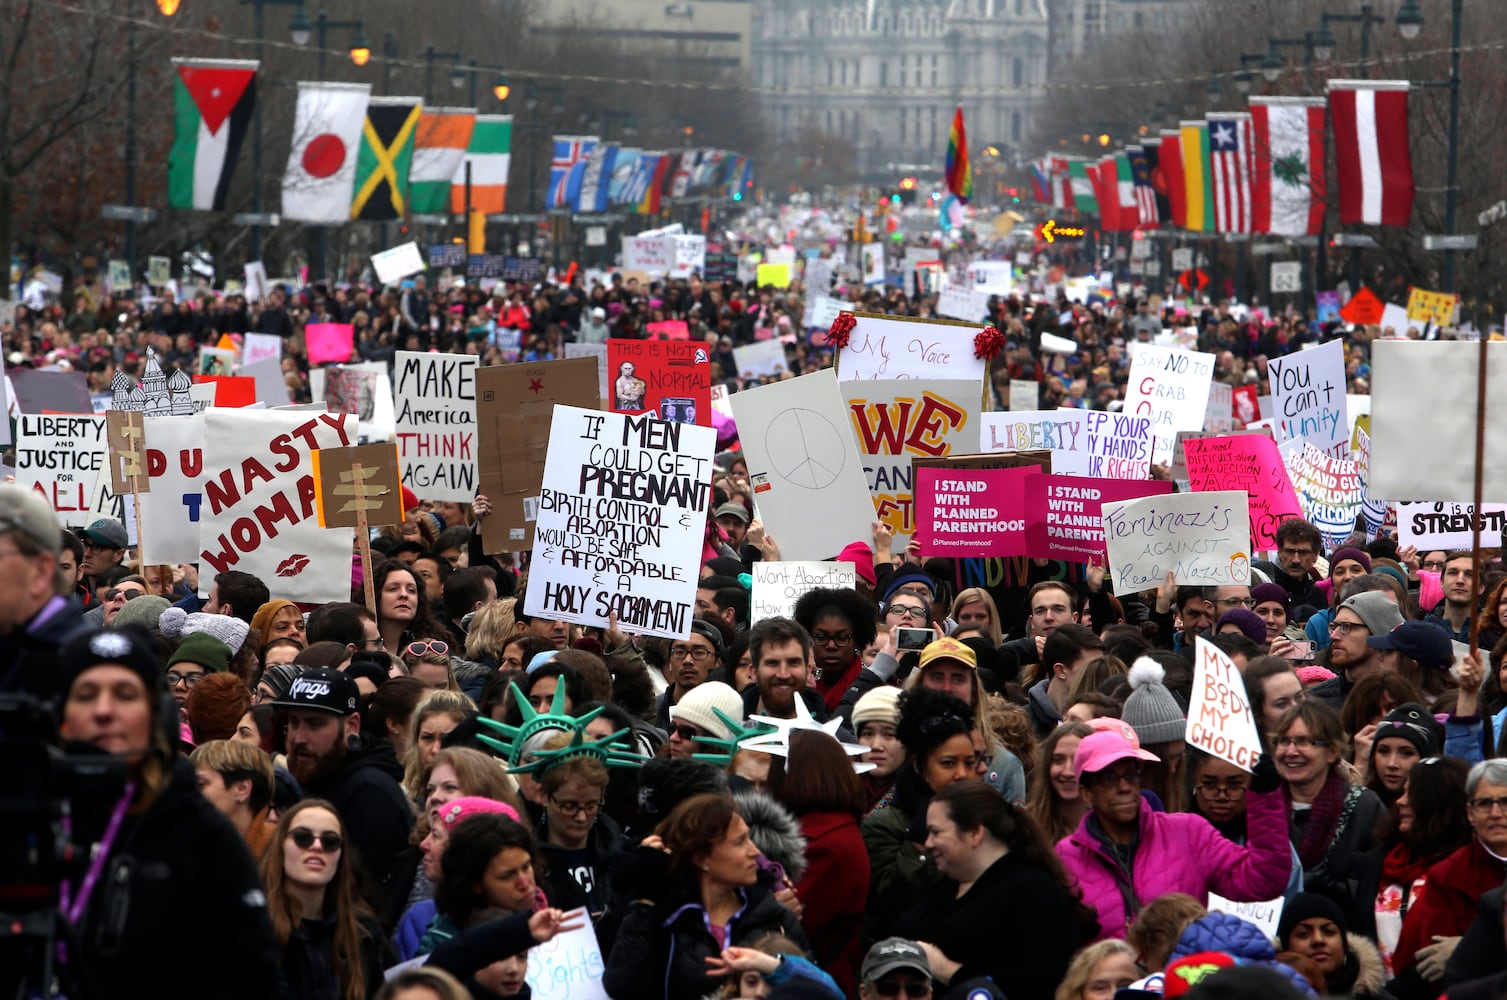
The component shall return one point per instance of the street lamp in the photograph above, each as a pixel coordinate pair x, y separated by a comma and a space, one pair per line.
361, 50
168, 7
1409, 24
1213, 91
1409, 19
500, 88
1323, 39
457, 71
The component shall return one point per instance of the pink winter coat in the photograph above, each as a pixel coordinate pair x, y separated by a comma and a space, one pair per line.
1181, 852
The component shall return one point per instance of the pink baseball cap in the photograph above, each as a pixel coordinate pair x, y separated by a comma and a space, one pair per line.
457, 810
1104, 724
1100, 750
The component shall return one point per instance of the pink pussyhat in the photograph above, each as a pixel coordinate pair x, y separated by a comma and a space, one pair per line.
452, 813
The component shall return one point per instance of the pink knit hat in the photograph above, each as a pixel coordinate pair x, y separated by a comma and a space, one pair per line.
457, 810
1430, 593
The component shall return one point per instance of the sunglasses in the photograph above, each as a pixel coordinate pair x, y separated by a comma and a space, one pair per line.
128, 595
687, 733
303, 839
435, 646
913, 990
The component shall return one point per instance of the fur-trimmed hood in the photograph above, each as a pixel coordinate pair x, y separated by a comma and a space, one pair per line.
775, 830
1363, 969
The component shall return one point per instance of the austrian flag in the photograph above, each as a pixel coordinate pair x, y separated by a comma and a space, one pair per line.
1371, 153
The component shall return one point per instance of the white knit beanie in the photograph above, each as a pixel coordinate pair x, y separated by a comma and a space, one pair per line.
695, 707
881, 704
177, 623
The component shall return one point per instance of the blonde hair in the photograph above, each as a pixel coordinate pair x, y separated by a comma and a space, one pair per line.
1082, 968
491, 628
978, 595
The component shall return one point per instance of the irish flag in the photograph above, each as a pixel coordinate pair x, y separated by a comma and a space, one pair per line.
489, 154
212, 104
438, 150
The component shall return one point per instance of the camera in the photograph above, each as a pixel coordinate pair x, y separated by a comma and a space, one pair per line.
913, 638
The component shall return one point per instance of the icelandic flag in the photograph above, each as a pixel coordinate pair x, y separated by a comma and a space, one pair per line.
577, 173
567, 154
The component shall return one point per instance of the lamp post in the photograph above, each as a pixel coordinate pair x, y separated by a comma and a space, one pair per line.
299, 28
457, 72
1323, 48
1409, 23
1271, 68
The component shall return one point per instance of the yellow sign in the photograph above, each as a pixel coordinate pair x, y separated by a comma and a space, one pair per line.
774, 275
1437, 308
1051, 232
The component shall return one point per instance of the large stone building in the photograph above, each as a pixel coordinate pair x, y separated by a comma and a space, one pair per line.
886, 75
710, 34
1078, 25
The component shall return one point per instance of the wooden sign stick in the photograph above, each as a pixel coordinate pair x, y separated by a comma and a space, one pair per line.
364, 538
1475, 520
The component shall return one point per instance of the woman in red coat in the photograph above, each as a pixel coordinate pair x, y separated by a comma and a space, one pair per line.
817, 782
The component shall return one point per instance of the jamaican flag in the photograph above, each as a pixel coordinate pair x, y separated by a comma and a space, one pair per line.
383, 160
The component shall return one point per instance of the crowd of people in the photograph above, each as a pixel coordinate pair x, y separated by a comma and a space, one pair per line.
403, 801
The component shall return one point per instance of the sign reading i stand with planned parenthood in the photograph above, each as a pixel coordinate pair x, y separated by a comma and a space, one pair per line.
621, 520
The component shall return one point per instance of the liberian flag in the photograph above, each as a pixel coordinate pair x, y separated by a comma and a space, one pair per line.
1371, 151
959, 171
212, 104
1287, 198
1231, 167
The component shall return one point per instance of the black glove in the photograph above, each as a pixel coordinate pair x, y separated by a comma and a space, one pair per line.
1264, 778
641, 873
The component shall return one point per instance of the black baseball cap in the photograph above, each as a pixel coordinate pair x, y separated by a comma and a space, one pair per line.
322, 688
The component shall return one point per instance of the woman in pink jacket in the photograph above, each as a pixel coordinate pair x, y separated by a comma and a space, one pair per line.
1123, 855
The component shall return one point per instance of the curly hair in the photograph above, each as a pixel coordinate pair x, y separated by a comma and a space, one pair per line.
1012, 726
928, 719
473, 845
851, 606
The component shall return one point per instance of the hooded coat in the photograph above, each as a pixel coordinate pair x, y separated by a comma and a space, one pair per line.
775, 830
1449, 902
367, 791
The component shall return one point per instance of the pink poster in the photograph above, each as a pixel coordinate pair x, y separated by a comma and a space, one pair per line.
1065, 517
330, 342
670, 329
971, 512
1249, 462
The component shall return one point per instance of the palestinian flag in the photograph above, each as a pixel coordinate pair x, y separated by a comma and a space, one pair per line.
212, 104
384, 158
439, 147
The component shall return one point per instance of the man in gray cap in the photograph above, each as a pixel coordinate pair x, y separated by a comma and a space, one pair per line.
732, 518
1358, 618
36, 619
105, 543
895, 967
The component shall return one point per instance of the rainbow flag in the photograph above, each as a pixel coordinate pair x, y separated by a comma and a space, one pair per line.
959, 173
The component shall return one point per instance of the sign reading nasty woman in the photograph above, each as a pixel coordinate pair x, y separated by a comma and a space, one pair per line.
1202, 539
621, 519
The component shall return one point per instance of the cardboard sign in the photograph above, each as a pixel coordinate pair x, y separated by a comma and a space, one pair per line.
435, 419
1308, 398
338, 500
1250, 463
621, 517
1171, 386
1437, 308
397, 263
258, 512
1220, 720
667, 379
897, 420
802, 458
761, 360
973, 513
170, 512
597, 352
329, 342
1328, 489
125, 433
1203, 539
514, 405
1065, 518
778, 585
1448, 526
1024, 395
60, 457
887, 347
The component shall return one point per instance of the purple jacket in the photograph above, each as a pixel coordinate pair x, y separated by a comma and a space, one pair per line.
1181, 852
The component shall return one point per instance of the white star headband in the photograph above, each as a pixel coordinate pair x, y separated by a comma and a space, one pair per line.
777, 743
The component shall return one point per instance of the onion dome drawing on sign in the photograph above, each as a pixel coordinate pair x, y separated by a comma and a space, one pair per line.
180, 403
157, 394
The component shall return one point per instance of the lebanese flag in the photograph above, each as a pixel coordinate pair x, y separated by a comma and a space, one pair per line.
321, 173
1371, 151
212, 104
1171, 163
1287, 198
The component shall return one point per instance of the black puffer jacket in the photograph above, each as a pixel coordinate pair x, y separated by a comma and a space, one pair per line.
308, 971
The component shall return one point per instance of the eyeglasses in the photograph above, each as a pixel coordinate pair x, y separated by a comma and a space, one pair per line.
124, 595
570, 808
1237, 602
1110, 779
174, 679
698, 654
893, 989
436, 646
1298, 553
830, 639
303, 839
906, 611
1297, 742
1344, 628
1214, 790
1488, 806
1434, 566
371, 643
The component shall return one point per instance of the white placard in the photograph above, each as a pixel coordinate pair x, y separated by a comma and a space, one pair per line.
1220, 415
802, 457
59, 456
690, 255
395, 264
1220, 720
1265, 915
1395, 318
1182, 259
256, 283
621, 518
761, 359
883, 347
570, 966
652, 253
598, 351
1431, 525
1287, 276
873, 264
435, 424
1308, 399
170, 512
966, 304
1025, 394
1203, 539
1082, 442
778, 585
821, 310
261, 347
992, 277
1171, 386
819, 273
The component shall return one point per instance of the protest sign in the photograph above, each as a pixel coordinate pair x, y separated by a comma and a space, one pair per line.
898, 419
973, 513
991, 277
774, 275
327, 342
760, 360
1394, 321
721, 267
1437, 308
170, 512
802, 458
669, 379
597, 351
59, 457
234, 391
257, 285
105, 502
690, 255
1064, 514
1327, 306
1203, 539
124, 437
514, 404
966, 304
778, 585
435, 423
352, 390
621, 517
1249, 463
216, 361
1171, 386
1266, 914
669, 329
1328, 489
119, 272
652, 252
49, 392
888, 347
397, 263
1220, 416
1024, 394
336, 486
569, 966
820, 311
377, 421
258, 509
1308, 398
1245, 405
159, 271
1220, 720
1432, 525
1059, 431
873, 264
261, 347
267, 376
819, 272
1423, 420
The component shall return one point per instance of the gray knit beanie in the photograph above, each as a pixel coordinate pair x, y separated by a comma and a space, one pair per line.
1151, 710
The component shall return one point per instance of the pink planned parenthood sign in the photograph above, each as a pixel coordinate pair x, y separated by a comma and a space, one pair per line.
971, 512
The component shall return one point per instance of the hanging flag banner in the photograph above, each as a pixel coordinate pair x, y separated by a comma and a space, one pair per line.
489, 155
1373, 163
213, 100
1328, 489
381, 180
434, 397
1288, 193
981, 512
1065, 518
1202, 539
439, 148
320, 177
1171, 386
887, 347
622, 514
59, 457
778, 585
1250, 463
258, 511
670, 379
1308, 398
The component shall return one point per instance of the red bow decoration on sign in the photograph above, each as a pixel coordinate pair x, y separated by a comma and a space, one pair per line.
841, 330
988, 343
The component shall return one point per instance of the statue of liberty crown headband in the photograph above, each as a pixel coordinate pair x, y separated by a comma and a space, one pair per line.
515, 738
772, 736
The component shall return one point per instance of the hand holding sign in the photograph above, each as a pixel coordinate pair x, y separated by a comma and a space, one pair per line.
1220, 719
